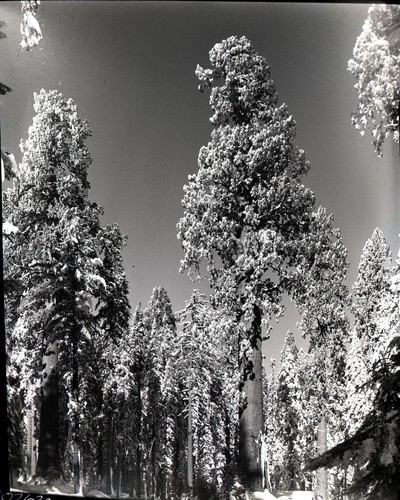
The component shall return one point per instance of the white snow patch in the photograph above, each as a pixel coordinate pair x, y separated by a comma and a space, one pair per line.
295, 495
263, 495
97, 494
9, 228
98, 279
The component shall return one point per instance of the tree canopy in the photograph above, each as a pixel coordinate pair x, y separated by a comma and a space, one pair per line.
376, 66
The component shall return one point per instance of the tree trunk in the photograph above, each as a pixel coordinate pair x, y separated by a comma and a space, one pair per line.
76, 466
30, 444
110, 454
322, 473
162, 485
190, 448
153, 478
138, 475
75, 428
49, 463
118, 486
251, 422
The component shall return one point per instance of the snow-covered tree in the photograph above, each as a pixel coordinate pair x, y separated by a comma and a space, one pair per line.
274, 445
30, 28
373, 449
113, 305
289, 398
161, 332
125, 409
30, 31
376, 66
113, 313
389, 311
323, 301
244, 212
367, 341
358, 393
309, 418
4, 89
290, 419
371, 285
205, 361
55, 258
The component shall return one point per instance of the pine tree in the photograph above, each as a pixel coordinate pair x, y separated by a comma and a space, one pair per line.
375, 64
244, 211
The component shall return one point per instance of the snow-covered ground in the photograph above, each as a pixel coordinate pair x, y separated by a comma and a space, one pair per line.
295, 495
59, 488
283, 495
65, 488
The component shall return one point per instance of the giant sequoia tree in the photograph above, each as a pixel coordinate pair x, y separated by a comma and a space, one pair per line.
55, 259
244, 212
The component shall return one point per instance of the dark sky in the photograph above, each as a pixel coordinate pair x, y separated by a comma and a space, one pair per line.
129, 66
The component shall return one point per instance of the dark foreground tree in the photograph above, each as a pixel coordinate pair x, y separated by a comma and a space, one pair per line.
244, 212
55, 258
112, 329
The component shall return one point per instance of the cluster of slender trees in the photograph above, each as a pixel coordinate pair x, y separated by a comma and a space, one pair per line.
162, 403
295, 399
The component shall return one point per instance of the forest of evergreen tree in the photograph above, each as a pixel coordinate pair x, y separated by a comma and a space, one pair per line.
152, 402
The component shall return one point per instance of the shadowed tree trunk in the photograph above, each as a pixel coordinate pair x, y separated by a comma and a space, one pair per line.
138, 472
110, 454
75, 395
49, 464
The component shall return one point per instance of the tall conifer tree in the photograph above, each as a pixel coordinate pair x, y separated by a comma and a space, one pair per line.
289, 397
55, 257
371, 285
244, 212
161, 332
